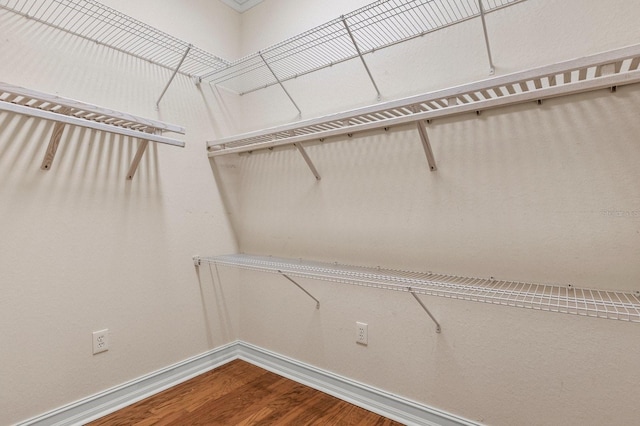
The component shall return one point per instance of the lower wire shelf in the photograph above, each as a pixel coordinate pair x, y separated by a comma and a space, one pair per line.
624, 306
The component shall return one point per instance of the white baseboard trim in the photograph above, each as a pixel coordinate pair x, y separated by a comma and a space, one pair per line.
98, 405
378, 401
375, 400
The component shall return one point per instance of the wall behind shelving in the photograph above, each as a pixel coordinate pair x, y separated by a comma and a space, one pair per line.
528, 182
530, 193
81, 248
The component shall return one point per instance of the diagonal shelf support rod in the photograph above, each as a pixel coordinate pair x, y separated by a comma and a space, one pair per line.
54, 141
307, 160
142, 146
279, 82
424, 137
492, 68
186, 52
300, 287
438, 329
353, 40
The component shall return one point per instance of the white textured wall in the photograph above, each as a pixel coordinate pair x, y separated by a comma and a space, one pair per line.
81, 249
273, 21
520, 193
514, 185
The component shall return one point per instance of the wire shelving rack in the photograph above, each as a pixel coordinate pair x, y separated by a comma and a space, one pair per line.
96, 22
604, 70
379, 25
623, 306
69, 112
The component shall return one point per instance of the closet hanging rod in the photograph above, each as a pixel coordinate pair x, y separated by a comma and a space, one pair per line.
608, 69
618, 305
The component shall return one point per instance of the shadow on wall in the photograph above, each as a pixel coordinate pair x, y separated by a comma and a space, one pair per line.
529, 182
217, 296
85, 159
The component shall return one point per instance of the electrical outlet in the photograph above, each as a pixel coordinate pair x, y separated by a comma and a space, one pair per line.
100, 341
362, 333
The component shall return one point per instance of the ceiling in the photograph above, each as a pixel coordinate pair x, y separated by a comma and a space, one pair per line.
241, 5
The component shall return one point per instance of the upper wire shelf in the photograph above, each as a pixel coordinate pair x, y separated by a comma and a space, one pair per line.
96, 22
553, 298
373, 27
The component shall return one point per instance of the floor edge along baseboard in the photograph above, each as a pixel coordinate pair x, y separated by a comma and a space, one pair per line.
367, 397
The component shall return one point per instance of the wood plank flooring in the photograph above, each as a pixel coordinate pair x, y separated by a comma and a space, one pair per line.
239, 393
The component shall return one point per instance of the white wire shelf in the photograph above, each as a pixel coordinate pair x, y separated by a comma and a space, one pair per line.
381, 24
552, 298
65, 111
604, 70
96, 22
373, 27
55, 108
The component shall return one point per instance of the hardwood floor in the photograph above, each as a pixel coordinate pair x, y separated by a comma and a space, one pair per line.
239, 393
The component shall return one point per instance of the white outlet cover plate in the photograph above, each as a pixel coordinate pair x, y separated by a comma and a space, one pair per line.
100, 341
362, 333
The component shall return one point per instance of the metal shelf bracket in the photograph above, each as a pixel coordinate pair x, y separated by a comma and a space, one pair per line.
142, 146
279, 82
422, 130
492, 68
301, 288
307, 160
175, 71
355, 45
438, 329
54, 141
